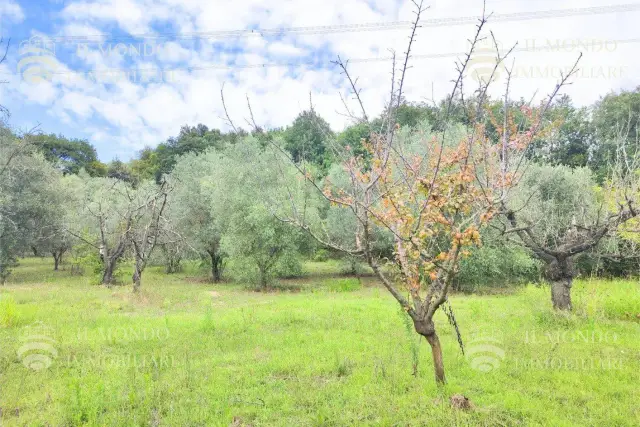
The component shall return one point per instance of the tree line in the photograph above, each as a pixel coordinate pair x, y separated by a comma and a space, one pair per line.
575, 158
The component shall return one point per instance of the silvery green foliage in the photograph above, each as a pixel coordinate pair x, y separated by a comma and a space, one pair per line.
29, 200
252, 188
557, 201
190, 211
60, 213
103, 209
231, 199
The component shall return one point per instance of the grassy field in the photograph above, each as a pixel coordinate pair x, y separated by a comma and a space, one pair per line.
188, 353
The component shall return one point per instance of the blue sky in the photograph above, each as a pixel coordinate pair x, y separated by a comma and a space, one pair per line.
125, 74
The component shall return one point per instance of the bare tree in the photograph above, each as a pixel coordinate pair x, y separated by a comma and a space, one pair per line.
431, 192
147, 225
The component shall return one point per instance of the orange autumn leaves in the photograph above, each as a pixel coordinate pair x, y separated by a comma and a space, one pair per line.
436, 202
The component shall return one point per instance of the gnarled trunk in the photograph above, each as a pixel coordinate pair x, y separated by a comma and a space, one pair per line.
107, 274
56, 261
217, 260
109, 260
57, 258
561, 293
560, 274
216, 268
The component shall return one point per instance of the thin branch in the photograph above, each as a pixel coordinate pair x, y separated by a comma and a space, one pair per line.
226, 112
256, 128
354, 88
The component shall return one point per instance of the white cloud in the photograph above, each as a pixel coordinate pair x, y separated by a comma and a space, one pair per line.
173, 53
138, 114
11, 11
284, 49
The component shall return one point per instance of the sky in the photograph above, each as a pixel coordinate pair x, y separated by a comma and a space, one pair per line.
125, 74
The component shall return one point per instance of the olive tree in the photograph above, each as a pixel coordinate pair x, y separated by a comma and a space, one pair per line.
218, 208
558, 213
27, 199
147, 204
191, 211
60, 211
106, 215
245, 179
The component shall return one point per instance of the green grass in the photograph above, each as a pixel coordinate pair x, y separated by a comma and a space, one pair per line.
187, 353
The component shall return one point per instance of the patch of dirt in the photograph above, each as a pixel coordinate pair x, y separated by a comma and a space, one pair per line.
238, 422
459, 401
214, 294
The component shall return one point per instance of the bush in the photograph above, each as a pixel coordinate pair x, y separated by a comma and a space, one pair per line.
593, 264
321, 255
496, 266
288, 266
352, 266
242, 270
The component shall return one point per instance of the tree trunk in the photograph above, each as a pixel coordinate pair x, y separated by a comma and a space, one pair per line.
57, 258
426, 328
561, 293
263, 277
559, 273
107, 275
215, 269
137, 277
216, 266
436, 352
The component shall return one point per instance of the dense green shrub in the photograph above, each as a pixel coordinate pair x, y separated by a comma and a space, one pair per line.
352, 266
496, 266
321, 255
288, 266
